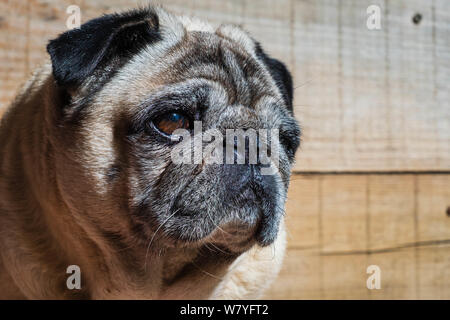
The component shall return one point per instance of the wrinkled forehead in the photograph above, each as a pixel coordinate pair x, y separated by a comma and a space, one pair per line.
224, 58
210, 57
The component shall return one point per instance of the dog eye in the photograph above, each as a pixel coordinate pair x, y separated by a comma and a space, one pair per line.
172, 121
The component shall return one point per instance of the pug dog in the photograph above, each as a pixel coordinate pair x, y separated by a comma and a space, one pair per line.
87, 178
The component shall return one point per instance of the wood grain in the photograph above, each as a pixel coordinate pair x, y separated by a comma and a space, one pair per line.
373, 100
370, 102
13, 48
340, 224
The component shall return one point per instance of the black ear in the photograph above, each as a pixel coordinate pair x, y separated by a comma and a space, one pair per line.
280, 74
112, 38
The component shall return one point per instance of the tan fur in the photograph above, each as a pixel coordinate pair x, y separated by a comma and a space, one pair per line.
41, 233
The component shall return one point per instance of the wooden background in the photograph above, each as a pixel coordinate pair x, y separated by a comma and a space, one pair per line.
372, 179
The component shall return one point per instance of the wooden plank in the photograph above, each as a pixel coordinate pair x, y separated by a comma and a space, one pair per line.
315, 77
398, 274
434, 272
433, 201
410, 273
367, 104
13, 49
272, 27
397, 222
309, 275
391, 211
368, 100
347, 213
302, 212
343, 213
344, 277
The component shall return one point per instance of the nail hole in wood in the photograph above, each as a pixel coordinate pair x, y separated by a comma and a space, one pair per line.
417, 18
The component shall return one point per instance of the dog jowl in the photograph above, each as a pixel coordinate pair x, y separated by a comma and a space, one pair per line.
87, 169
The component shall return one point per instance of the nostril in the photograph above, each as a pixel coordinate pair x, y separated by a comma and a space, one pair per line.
236, 178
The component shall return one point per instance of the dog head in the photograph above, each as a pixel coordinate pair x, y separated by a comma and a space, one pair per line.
127, 83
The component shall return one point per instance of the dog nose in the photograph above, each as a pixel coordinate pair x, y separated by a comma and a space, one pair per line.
242, 165
245, 185
237, 177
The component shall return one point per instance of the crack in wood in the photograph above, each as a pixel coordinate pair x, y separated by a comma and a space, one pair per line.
429, 243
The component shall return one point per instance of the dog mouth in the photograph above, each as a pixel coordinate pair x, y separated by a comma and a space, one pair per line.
235, 235
244, 217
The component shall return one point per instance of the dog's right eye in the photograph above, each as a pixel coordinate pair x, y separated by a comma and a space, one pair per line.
169, 122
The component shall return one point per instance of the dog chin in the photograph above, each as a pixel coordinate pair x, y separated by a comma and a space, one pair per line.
232, 237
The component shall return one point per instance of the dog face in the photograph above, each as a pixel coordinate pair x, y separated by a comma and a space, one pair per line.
125, 83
